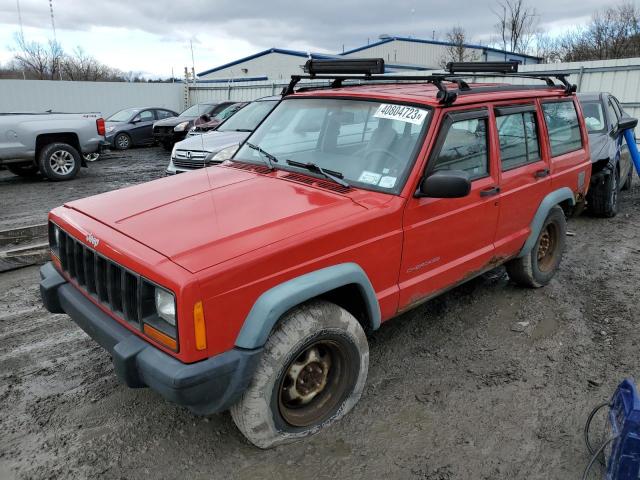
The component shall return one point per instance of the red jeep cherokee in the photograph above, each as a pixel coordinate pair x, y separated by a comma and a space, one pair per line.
249, 286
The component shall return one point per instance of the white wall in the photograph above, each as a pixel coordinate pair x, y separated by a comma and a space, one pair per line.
103, 97
276, 66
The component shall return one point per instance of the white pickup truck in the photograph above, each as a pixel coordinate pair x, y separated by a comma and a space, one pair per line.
52, 144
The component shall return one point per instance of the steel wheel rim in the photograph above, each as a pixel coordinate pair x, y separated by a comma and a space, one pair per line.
313, 383
91, 157
547, 248
123, 141
62, 162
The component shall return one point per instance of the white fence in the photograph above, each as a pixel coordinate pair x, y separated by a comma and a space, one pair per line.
620, 77
103, 97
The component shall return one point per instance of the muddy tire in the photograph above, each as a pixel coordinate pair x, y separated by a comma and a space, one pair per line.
538, 267
59, 162
26, 171
122, 141
311, 373
603, 196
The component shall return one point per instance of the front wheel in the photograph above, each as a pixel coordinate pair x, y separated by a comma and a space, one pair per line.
122, 141
603, 196
537, 268
59, 161
311, 373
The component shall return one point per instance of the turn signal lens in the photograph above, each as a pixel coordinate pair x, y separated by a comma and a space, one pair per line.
199, 327
160, 337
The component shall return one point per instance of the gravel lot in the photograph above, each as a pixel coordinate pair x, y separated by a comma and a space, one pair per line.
489, 381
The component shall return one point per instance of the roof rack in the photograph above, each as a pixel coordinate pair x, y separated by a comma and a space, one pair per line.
372, 69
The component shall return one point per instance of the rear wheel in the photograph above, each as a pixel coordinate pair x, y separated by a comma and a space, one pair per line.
27, 171
59, 161
122, 141
91, 157
537, 268
311, 373
603, 196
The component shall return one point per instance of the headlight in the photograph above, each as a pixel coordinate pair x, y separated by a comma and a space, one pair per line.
54, 239
224, 154
181, 127
166, 306
173, 151
110, 129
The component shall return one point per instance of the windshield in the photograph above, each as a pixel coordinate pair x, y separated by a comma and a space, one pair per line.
248, 118
372, 144
122, 115
593, 116
227, 112
196, 110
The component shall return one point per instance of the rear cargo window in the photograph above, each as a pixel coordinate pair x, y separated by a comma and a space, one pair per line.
465, 148
518, 139
563, 126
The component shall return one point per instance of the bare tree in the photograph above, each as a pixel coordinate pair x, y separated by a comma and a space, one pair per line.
612, 33
545, 47
516, 25
38, 61
42, 62
457, 51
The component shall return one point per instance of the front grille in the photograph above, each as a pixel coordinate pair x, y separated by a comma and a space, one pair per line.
163, 130
190, 158
115, 287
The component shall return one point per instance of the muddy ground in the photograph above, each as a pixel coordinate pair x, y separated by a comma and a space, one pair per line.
490, 381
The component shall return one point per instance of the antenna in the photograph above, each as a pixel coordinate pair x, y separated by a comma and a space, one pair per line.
20, 19
53, 23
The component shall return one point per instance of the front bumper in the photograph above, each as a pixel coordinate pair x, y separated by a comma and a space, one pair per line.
169, 137
205, 387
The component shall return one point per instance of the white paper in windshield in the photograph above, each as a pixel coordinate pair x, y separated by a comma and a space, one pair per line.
402, 113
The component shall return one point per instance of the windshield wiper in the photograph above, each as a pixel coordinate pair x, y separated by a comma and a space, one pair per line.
313, 167
269, 159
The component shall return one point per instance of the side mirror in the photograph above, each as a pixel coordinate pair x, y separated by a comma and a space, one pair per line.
135, 120
445, 184
627, 123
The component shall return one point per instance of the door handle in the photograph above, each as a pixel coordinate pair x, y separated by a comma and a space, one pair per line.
487, 192
541, 173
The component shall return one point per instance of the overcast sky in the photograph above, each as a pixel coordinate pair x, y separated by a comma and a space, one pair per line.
152, 36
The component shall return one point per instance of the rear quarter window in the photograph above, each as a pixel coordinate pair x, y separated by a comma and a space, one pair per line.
563, 127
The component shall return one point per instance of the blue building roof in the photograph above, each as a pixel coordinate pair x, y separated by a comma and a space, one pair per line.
436, 42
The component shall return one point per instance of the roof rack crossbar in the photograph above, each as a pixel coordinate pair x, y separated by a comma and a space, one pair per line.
444, 95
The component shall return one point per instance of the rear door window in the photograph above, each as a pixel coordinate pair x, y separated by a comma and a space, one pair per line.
563, 127
518, 139
164, 114
465, 148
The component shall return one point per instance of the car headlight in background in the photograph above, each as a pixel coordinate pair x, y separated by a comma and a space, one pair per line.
224, 154
181, 127
166, 306
173, 151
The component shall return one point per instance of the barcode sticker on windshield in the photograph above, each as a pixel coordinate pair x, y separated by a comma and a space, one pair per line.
402, 113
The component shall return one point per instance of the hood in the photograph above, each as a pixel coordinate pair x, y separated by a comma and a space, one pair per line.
173, 121
211, 141
215, 214
210, 124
